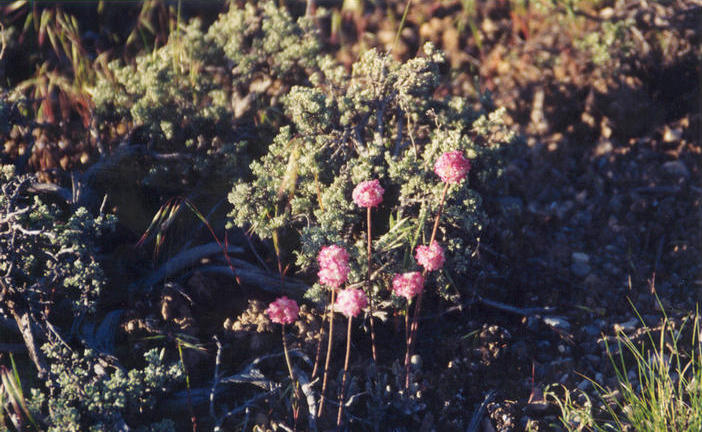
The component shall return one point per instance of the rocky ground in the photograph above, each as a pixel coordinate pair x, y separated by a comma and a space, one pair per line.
599, 213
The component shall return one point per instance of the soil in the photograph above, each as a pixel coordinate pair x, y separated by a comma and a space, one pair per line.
598, 218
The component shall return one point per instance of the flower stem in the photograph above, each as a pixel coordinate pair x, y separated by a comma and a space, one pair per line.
287, 357
329, 352
296, 389
407, 341
343, 380
318, 351
438, 214
418, 306
370, 290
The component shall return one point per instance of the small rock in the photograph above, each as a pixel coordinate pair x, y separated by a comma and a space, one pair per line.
627, 326
580, 257
580, 269
416, 361
606, 13
672, 135
557, 322
676, 168
584, 385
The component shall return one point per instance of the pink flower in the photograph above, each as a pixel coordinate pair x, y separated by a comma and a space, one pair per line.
430, 257
408, 285
350, 302
283, 311
368, 194
333, 265
452, 167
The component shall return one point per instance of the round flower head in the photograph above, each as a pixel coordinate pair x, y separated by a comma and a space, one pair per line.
283, 311
430, 257
452, 167
368, 194
407, 285
350, 302
333, 265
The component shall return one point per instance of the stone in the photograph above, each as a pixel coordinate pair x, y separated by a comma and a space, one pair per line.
676, 168
580, 266
627, 326
557, 322
580, 269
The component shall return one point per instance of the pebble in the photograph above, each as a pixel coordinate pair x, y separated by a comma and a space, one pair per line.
580, 266
580, 257
416, 361
676, 168
580, 269
627, 326
672, 135
557, 322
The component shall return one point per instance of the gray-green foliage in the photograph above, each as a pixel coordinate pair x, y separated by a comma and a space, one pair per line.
381, 122
90, 396
189, 94
45, 256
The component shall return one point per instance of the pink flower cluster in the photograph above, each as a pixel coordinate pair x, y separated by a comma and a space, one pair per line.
408, 285
333, 265
430, 257
350, 302
368, 194
283, 311
452, 167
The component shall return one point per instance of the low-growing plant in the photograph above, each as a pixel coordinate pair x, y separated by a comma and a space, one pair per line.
383, 122
193, 100
91, 394
378, 139
662, 395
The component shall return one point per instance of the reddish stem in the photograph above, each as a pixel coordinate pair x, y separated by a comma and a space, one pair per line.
418, 306
343, 380
329, 352
370, 290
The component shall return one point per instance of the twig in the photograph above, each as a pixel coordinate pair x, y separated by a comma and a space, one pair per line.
240, 408
512, 309
2, 40
306, 387
184, 260
261, 280
253, 250
215, 380
478, 414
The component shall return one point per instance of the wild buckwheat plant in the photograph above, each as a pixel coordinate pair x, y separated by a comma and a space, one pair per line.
375, 139
382, 123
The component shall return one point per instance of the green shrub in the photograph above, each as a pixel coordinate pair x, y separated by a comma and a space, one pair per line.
88, 398
383, 121
46, 257
198, 95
